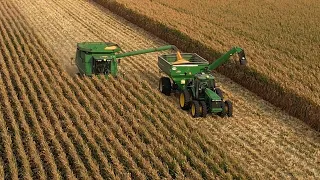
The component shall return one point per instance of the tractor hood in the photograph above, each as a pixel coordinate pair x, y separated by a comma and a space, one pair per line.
212, 95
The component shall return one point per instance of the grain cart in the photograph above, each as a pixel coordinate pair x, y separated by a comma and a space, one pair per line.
102, 58
191, 77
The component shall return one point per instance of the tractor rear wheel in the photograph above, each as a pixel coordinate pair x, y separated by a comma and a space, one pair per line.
203, 109
219, 92
185, 99
195, 109
229, 108
223, 112
165, 85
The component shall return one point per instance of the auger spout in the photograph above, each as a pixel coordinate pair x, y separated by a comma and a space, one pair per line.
224, 58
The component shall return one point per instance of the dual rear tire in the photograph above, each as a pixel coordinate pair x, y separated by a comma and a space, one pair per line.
198, 109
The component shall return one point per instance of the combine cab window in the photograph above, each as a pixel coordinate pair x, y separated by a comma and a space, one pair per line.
101, 66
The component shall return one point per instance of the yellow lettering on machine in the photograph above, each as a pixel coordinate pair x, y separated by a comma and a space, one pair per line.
110, 48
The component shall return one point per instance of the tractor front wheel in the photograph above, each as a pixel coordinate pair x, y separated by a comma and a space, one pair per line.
165, 85
229, 108
203, 109
195, 109
223, 112
185, 99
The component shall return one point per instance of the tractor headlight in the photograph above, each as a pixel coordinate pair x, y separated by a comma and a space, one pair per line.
183, 81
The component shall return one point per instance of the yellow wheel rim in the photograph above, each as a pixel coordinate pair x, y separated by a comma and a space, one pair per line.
182, 100
193, 110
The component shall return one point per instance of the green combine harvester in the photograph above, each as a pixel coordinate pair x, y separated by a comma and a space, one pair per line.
190, 74
187, 73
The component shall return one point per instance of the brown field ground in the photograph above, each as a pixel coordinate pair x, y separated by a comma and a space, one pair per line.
281, 38
55, 125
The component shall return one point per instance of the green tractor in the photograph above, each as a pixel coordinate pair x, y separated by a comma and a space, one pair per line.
190, 75
102, 58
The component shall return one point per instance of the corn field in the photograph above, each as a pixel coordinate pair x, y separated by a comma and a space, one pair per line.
55, 125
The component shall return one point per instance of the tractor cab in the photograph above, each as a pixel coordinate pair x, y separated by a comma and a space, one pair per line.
201, 82
205, 91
